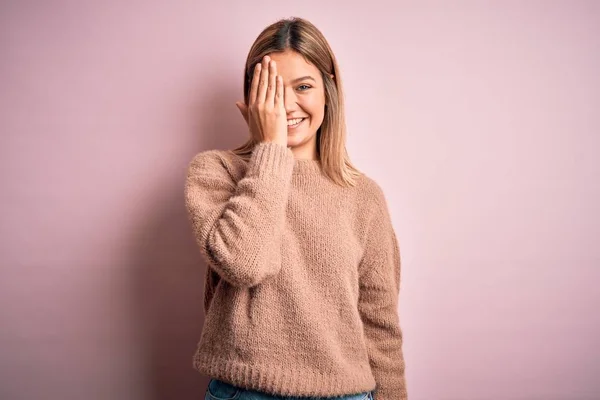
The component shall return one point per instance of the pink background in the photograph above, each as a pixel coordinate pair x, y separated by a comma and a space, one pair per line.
480, 119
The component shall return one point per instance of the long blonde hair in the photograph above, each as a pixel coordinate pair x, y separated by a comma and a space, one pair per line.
300, 35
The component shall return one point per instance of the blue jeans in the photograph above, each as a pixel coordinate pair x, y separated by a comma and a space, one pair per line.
219, 390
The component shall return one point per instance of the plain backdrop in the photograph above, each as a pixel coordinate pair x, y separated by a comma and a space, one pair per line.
480, 120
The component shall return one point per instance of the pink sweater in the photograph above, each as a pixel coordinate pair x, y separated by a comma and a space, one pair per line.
303, 277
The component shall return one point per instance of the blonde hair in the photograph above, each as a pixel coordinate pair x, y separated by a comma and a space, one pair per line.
303, 37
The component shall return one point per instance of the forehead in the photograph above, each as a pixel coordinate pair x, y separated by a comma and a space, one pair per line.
291, 65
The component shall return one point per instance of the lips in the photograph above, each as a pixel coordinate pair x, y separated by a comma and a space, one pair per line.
300, 121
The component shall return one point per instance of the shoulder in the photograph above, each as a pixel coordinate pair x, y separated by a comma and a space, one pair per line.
370, 191
209, 158
373, 203
216, 161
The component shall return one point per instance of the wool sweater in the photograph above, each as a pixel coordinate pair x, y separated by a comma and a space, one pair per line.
303, 277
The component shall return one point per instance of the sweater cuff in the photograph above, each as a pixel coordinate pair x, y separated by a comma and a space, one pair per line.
271, 158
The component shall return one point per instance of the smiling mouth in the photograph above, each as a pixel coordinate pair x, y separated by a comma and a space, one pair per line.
296, 125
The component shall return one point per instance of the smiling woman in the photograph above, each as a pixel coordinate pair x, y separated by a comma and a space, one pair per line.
304, 100
312, 91
303, 277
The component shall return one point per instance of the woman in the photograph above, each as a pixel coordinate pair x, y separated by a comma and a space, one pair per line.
301, 291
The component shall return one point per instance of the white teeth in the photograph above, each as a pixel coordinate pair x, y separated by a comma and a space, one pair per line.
294, 121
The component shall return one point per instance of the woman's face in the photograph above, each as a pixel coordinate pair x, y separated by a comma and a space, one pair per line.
304, 97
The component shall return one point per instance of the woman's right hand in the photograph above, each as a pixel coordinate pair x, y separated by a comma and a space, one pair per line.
265, 114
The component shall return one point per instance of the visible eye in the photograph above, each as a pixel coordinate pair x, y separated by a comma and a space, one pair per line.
307, 86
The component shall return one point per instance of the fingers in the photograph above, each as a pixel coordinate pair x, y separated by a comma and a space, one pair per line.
279, 93
264, 81
265, 113
243, 110
254, 86
271, 88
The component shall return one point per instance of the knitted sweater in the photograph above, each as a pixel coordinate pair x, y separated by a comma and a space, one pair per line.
303, 277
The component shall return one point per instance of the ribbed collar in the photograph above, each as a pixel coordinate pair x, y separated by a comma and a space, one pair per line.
306, 166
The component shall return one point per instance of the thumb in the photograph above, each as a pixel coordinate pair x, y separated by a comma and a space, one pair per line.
243, 109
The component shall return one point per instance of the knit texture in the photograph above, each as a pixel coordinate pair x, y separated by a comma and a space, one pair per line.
303, 277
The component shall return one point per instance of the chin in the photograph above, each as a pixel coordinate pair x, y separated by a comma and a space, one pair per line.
298, 139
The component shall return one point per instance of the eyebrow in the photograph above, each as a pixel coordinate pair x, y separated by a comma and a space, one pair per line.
303, 78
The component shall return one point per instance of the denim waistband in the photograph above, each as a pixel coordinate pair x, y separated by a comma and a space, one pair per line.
220, 390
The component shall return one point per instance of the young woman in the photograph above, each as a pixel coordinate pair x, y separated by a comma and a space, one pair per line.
301, 291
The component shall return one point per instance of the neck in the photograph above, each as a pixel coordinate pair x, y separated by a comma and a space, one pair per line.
305, 151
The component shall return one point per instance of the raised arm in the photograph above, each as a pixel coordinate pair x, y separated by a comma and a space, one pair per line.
238, 226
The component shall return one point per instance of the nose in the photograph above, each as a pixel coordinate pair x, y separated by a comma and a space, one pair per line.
290, 100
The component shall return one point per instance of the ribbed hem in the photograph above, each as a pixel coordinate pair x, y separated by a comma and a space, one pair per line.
271, 158
283, 381
390, 394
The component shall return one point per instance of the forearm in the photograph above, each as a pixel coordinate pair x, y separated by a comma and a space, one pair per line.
238, 226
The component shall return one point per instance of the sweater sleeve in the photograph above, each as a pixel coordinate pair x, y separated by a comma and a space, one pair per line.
379, 283
238, 226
